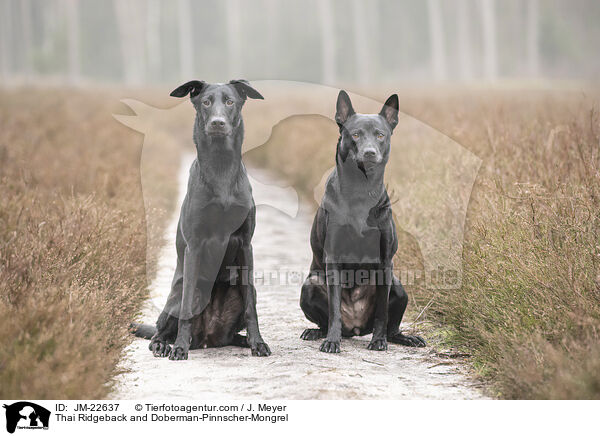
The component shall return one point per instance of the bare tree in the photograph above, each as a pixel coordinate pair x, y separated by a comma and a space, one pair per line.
131, 35
533, 54
327, 42
49, 26
186, 53
436, 31
465, 58
26, 38
234, 38
6, 39
271, 18
153, 37
488, 25
361, 46
73, 38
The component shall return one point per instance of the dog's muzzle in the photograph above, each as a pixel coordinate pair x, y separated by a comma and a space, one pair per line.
218, 127
369, 158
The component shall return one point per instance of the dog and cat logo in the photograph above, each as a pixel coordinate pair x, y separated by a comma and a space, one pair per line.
26, 415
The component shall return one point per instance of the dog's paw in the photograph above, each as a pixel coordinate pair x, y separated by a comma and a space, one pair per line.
330, 346
312, 334
159, 348
377, 344
178, 353
407, 340
260, 349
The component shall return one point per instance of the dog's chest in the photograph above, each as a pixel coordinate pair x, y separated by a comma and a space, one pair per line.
348, 242
358, 305
215, 208
213, 217
345, 213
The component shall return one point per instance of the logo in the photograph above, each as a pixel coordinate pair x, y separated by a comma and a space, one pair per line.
26, 415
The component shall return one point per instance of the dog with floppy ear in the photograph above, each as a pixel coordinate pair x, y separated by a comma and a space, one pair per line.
212, 294
351, 289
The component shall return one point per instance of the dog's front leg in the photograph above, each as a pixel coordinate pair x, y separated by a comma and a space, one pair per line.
255, 340
191, 273
331, 344
180, 348
379, 338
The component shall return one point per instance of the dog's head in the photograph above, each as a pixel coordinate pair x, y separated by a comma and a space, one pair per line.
366, 138
218, 106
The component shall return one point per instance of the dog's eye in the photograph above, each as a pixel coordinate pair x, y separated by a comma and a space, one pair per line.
229, 102
380, 136
355, 136
206, 103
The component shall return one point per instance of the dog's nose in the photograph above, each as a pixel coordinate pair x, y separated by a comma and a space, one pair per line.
370, 153
218, 122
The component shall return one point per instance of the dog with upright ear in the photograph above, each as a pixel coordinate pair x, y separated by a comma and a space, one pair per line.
344, 109
193, 88
353, 232
244, 89
389, 111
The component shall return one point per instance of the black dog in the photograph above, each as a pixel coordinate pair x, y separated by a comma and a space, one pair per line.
351, 289
212, 295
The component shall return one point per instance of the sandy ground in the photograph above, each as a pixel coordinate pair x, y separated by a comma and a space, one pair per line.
296, 369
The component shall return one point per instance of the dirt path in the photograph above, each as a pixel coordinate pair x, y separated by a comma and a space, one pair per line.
296, 369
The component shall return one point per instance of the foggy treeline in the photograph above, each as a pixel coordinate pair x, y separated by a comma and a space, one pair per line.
327, 41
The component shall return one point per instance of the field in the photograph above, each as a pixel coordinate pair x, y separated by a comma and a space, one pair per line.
75, 263
72, 241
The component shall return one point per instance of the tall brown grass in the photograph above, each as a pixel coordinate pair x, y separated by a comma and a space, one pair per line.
72, 241
528, 310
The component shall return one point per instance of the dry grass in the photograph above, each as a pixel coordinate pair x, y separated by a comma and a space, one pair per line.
528, 310
529, 307
72, 241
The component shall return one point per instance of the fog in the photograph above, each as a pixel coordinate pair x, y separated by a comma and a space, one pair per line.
334, 42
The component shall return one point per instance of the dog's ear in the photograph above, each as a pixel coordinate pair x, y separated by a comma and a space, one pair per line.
343, 108
389, 111
193, 88
244, 89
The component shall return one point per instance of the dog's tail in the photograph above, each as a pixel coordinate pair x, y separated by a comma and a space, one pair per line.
144, 331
